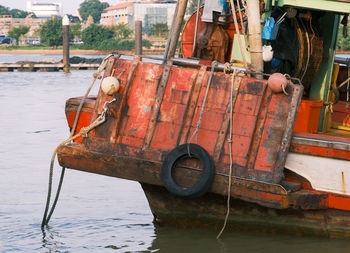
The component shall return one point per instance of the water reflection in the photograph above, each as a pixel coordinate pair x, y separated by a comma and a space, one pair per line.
171, 240
50, 240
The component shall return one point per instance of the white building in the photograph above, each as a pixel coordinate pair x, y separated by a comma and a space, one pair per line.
149, 12
44, 10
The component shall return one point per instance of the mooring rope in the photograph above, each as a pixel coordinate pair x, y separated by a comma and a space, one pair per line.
229, 141
83, 131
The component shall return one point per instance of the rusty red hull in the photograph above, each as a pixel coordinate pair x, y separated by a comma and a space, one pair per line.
209, 211
158, 108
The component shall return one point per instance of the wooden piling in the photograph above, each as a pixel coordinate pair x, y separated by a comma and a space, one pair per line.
138, 37
65, 35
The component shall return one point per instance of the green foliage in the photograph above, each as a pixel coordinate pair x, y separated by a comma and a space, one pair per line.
343, 43
160, 30
75, 30
16, 32
73, 19
122, 31
93, 8
16, 13
51, 32
94, 34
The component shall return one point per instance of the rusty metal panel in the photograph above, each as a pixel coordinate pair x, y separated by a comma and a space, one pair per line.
157, 113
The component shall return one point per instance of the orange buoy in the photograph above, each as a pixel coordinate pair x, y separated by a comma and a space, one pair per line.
277, 82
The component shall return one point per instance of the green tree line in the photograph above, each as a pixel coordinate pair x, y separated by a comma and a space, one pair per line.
16, 13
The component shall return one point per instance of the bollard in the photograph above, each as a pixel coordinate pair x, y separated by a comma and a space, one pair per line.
138, 37
65, 35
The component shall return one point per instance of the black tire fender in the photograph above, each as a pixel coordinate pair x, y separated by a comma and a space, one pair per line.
206, 179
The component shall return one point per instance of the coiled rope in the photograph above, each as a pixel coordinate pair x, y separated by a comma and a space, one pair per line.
83, 132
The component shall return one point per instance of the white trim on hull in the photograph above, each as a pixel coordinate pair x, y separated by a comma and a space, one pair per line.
324, 174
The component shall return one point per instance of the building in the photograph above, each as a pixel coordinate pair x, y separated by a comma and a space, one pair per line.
7, 22
149, 12
45, 10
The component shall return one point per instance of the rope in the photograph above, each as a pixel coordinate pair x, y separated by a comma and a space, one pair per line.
213, 65
308, 49
240, 16
231, 160
343, 83
83, 131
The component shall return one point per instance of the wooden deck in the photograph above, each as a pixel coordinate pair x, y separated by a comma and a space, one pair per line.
44, 67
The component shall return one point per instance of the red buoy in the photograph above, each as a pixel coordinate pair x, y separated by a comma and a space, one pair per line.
277, 82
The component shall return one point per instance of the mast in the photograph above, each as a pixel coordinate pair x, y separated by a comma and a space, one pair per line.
255, 40
176, 27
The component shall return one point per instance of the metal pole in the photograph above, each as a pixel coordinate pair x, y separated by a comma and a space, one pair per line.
138, 37
181, 9
255, 40
65, 35
196, 28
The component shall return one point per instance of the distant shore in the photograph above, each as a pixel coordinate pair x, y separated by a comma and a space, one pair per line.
77, 51
146, 51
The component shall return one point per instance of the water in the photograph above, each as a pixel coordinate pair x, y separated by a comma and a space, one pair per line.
95, 213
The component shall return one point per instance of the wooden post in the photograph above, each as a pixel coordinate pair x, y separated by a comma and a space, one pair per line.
65, 35
138, 37
255, 40
181, 9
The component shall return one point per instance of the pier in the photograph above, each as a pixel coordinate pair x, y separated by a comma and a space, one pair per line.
44, 67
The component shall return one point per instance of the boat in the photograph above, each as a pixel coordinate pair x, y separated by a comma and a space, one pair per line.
226, 134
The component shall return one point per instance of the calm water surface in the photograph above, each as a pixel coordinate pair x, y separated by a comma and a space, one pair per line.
95, 213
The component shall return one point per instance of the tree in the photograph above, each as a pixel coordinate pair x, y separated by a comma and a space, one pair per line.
75, 30
16, 13
159, 29
73, 19
93, 8
16, 32
121, 31
343, 43
94, 34
4, 10
51, 32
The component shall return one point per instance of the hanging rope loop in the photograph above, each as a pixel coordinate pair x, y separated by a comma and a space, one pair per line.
83, 132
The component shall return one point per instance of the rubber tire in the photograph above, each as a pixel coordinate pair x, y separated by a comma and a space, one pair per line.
207, 177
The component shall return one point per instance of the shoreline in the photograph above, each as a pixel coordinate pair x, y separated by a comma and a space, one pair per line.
77, 51
159, 51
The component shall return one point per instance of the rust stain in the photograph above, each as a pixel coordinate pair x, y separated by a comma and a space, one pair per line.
343, 182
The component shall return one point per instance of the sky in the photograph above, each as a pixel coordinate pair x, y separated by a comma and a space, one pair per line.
69, 6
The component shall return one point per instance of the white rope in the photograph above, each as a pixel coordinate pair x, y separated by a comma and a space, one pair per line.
96, 75
231, 160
